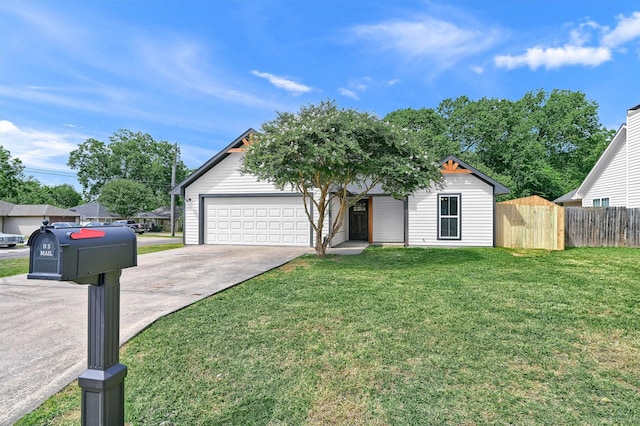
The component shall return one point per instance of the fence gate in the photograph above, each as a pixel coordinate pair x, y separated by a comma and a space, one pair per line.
531, 222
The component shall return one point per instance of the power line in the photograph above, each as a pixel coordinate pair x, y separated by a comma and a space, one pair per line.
50, 172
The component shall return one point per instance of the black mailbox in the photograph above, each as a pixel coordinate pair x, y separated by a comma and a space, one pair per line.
73, 253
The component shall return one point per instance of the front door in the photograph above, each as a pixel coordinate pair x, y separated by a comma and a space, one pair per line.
359, 221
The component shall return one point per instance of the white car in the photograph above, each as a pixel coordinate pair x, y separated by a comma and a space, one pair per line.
10, 240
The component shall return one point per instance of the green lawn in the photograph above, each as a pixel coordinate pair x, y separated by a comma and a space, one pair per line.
400, 337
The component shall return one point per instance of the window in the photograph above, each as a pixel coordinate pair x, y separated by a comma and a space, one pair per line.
601, 202
605, 202
449, 217
596, 202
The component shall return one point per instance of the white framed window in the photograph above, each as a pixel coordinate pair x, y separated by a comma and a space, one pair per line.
604, 202
596, 202
449, 216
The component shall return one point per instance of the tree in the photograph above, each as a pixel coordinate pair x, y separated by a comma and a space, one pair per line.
16, 188
430, 129
128, 155
320, 150
542, 144
126, 197
11, 175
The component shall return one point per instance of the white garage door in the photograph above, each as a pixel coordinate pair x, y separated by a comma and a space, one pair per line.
256, 221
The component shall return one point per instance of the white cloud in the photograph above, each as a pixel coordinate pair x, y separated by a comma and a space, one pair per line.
555, 57
577, 51
393, 82
476, 69
348, 93
441, 42
283, 83
628, 29
39, 149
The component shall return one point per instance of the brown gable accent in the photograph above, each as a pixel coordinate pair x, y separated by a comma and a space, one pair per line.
453, 167
247, 141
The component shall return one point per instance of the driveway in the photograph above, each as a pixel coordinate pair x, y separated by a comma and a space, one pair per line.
43, 324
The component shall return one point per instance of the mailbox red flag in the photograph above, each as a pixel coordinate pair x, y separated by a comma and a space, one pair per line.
87, 233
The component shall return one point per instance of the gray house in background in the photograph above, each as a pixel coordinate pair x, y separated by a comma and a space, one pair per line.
94, 212
23, 219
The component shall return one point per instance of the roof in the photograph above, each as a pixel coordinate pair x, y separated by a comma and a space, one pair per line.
179, 189
499, 188
40, 210
93, 210
237, 143
5, 208
567, 197
619, 139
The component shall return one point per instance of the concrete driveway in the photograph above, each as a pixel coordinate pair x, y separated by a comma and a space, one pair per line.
43, 324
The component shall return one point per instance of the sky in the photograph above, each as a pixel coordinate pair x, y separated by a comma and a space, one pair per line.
199, 73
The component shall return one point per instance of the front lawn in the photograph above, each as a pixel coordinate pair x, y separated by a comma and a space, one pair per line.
397, 336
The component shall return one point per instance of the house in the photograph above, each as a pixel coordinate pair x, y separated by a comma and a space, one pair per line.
94, 212
613, 181
159, 218
223, 206
24, 219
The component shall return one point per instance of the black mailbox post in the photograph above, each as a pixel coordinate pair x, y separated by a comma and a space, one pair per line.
94, 256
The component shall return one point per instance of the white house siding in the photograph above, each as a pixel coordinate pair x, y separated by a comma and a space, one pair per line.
224, 178
611, 180
476, 213
388, 220
633, 144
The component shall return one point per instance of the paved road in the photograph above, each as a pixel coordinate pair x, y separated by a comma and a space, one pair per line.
43, 323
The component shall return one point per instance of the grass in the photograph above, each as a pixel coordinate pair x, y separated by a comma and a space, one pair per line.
9, 267
397, 336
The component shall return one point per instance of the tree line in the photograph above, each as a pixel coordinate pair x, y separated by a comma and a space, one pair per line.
130, 174
542, 144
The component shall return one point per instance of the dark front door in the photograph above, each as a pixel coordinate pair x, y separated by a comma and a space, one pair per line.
359, 221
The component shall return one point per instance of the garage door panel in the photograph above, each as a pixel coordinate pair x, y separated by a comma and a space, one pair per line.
256, 221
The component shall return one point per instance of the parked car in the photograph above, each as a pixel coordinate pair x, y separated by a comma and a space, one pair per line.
58, 225
137, 228
10, 240
94, 224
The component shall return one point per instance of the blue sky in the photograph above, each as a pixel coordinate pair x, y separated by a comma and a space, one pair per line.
199, 73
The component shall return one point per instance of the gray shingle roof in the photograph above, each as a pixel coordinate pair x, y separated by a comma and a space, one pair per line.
90, 209
40, 210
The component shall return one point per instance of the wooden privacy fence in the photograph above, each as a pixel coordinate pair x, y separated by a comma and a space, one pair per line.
530, 222
602, 227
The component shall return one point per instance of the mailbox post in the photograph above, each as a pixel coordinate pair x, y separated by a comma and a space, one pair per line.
94, 256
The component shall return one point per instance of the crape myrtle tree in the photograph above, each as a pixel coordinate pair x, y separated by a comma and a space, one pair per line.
321, 150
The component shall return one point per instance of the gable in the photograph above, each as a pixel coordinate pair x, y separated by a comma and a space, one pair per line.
235, 146
453, 165
606, 161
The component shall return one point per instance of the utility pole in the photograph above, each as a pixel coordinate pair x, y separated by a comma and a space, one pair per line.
173, 197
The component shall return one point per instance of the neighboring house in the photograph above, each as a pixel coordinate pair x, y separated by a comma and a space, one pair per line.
94, 212
567, 199
24, 219
160, 217
223, 206
614, 180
